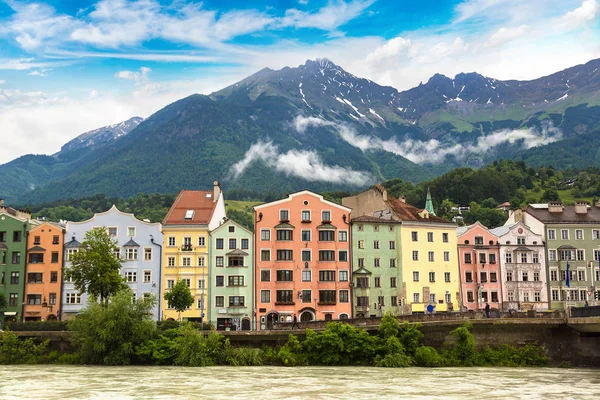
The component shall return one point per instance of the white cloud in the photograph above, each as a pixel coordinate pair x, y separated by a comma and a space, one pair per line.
579, 17
330, 17
23, 64
304, 164
391, 51
137, 77
301, 123
504, 35
2, 82
40, 72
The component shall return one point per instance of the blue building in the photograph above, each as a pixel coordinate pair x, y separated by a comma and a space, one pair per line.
140, 249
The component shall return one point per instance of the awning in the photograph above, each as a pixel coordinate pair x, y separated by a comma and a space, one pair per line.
131, 243
326, 227
522, 248
9, 313
237, 252
36, 248
284, 225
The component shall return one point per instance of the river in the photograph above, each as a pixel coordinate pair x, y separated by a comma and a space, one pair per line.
83, 382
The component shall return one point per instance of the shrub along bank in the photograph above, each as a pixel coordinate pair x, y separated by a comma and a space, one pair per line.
122, 333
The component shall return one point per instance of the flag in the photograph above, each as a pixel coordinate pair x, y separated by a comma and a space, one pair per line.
568, 277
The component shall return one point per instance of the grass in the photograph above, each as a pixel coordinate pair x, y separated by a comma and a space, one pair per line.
238, 205
566, 196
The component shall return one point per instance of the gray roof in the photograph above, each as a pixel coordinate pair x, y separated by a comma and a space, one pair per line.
72, 244
461, 229
37, 248
324, 227
237, 252
131, 243
502, 230
567, 216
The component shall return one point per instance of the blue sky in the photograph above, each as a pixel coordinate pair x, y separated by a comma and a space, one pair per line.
69, 66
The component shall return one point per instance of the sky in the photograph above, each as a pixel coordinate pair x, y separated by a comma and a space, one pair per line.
69, 66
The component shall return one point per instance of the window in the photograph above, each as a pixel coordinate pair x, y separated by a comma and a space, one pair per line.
494, 297
231, 229
564, 234
284, 255
284, 215
483, 277
580, 275
219, 244
511, 295
2, 236
17, 236
327, 276
73, 298
305, 216
265, 234
380, 301
553, 275
233, 261
377, 282
376, 228
236, 301
523, 257
36, 240
147, 254
285, 275
551, 255
484, 296
361, 244
478, 239
392, 244
306, 296
201, 284
306, 236
343, 236
446, 276
432, 277
415, 255
171, 261
508, 257
285, 234
580, 255
219, 281
170, 283
53, 277
430, 236
537, 296
578, 234
14, 278
201, 262
392, 263
446, 256
394, 301
307, 276
55, 239
536, 276
563, 275
131, 276
493, 277
376, 262
376, 244
201, 241
468, 258
393, 282
525, 275
361, 262
362, 282
326, 215
285, 296
555, 295
326, 236
327, 296
468, 277
430, 256
326, 255
265, 275
34, 277
16, 257
391, 228
36, 258
342, 255
525, 296
362, 301
171, 241
567, 255
235, 280
551, 234
492, 258
306, 255
415, 297
131, 231
219, 301
232, 244
415, 236
112, 231
186, 261
52, 298
265, 296
596, 253
265, 255
445, 237
415, 276
360, 228
448, 298
131, 253
432, 298
535, 258
344, 298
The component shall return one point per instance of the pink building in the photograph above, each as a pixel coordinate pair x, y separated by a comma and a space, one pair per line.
302, 253
478, 258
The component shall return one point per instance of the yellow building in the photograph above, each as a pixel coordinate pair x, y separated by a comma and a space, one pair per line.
428, 250
186, 248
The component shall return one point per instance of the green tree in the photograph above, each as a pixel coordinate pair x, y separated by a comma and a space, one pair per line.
3, 303
95, 269
179, 297
109, 334
550, 195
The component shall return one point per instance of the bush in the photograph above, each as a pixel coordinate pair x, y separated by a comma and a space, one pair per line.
397, 360
195, 350
427, 356
14, 350
38, 326
464, 351
167, 324
242, 356
340, 344
291, 354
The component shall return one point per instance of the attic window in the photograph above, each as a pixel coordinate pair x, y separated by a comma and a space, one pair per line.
189, 214
208, 195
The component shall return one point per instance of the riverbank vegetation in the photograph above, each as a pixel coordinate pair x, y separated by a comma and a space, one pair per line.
122, 333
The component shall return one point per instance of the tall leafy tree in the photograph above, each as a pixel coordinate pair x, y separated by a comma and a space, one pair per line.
95, 269
3, 302
179, 297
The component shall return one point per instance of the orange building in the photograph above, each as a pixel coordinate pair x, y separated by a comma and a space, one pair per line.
302, 253
43, 272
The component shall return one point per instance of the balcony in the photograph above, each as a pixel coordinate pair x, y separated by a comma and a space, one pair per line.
327, 303
187, 247
285, 303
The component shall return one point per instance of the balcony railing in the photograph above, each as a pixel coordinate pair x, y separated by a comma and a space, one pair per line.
187, 247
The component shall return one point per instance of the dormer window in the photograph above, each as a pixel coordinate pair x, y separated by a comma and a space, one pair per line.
284, 215
478, 239
189, 215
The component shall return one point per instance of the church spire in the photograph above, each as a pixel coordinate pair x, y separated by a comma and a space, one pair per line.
429, 204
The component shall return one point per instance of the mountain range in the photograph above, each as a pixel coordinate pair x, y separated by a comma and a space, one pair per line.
319, 127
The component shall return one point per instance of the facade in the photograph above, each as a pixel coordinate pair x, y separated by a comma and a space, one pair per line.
14, 225
138, 248
186, 254
377, 271
302, 266
523, 268
231, 276
43, 280
572, 236
428, 263
479, 263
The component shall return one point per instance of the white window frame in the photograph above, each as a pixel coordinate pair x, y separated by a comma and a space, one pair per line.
268, 231
551, 234
147, 250
129, 228
343, 233
147, 276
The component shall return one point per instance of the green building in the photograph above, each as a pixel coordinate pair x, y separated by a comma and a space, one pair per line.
377, 271
572, 236
14, 225
231, 277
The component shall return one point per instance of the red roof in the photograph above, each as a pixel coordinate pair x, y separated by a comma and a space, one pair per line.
201, 202
406, 212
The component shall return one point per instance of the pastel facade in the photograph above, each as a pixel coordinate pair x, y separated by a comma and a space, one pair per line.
302, 266
138, 247
479, 263
231, 277
43, 280
377, 271
572, 235
523, 268
430, 274
186, 254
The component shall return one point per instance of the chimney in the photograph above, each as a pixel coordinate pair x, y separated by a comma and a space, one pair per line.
402, 198
581, 207
216, 190
555, 207
1, 202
